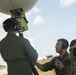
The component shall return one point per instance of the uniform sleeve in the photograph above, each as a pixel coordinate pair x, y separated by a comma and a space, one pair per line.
66, 66
64, 71
29, 50
49, 65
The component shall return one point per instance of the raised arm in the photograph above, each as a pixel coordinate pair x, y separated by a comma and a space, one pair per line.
29, 50
40, 66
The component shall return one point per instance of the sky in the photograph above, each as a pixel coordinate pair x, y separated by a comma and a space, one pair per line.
48, 21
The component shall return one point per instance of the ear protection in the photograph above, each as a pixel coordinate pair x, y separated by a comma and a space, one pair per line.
15, 22
74, 51
65, 43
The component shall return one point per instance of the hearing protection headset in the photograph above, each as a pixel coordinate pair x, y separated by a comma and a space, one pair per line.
74, 49
64, 43
14, 22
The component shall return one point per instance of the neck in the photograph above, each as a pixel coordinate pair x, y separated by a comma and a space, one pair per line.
62, 52
13, 32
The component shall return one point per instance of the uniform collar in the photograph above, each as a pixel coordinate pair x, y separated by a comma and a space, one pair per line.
65, 54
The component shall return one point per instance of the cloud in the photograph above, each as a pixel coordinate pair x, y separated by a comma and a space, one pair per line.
28, 14
64, 3
34, 10
38, 20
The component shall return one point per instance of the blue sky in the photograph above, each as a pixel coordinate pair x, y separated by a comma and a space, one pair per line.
48, 20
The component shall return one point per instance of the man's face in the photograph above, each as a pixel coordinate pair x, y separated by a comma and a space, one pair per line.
58, 46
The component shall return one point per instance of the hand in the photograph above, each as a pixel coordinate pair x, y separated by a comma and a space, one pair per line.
59, 65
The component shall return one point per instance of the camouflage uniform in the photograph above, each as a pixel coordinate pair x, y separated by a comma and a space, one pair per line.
65, 60
70, 70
